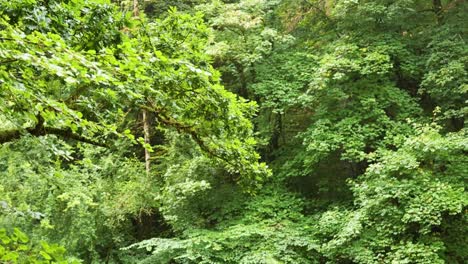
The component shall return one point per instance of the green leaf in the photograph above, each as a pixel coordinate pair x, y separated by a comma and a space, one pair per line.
20, 235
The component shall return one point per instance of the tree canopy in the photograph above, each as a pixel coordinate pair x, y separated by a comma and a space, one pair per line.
240, 131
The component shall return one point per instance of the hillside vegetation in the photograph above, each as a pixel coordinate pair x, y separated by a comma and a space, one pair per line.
233, 131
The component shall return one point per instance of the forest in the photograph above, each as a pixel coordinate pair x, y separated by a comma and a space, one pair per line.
233, 131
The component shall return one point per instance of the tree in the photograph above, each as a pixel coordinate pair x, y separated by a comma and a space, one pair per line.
70, 90
119, 141
167, 68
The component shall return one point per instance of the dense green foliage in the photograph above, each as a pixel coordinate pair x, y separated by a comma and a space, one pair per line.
140, 132
15, 248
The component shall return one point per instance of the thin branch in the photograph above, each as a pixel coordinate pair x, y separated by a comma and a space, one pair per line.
8, 61
13, 39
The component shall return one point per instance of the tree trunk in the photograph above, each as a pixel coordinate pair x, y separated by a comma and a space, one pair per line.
276, 134
135, 8
437, 7
146, 130
146, 123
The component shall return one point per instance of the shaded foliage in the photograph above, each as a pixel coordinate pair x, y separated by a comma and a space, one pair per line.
358, 107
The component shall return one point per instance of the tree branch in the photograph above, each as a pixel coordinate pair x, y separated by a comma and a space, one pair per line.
40, 130
186, 129
8, 61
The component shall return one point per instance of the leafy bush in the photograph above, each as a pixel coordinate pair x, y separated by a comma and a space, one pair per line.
16, 247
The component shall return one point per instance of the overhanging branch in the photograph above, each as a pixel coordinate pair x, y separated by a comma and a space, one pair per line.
40, 130
188, 130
